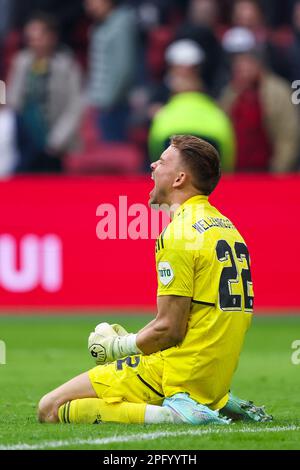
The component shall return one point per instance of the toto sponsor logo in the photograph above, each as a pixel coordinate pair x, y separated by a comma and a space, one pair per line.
30, 262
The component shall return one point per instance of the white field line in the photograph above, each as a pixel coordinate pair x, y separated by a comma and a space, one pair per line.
142, 437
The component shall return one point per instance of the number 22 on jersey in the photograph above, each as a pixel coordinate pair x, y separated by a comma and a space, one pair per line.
235, 289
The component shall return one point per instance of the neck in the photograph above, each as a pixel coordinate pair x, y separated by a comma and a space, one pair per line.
181, 197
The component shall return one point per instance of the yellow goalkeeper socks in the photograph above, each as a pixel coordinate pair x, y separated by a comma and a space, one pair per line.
96, 410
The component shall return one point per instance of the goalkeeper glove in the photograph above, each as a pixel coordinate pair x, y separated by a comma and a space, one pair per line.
105, 329
110, 348
119, 329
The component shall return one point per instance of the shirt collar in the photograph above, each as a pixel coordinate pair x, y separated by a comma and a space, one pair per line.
199, 199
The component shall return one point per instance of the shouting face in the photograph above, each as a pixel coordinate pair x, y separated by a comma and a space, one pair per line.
167, 174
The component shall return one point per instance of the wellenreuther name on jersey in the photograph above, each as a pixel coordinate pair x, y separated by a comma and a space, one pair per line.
209, 222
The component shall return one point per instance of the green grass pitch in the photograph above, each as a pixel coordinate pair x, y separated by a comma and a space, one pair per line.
43, 352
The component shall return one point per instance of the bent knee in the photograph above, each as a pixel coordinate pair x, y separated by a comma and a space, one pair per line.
48, 409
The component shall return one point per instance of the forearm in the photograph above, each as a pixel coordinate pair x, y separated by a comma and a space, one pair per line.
155, 337
168, 329
107, 346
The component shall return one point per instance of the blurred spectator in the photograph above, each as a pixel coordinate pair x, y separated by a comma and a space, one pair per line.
249, 14
152, 13
260, 106
201, 20
9, 157
5, 17
112, 62
67, 13
294, 50
190, 111
44, 89
5, 26
204, 12
291, 4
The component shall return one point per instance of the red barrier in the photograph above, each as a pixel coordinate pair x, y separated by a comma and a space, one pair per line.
50, 255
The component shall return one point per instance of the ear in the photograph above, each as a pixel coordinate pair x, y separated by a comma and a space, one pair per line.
179, 180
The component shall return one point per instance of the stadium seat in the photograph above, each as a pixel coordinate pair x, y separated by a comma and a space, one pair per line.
106, 158
89, 134
103, 157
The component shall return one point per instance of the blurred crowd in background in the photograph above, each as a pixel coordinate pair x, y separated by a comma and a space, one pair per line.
98, 86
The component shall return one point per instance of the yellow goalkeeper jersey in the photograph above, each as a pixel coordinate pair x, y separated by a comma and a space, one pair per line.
202, 255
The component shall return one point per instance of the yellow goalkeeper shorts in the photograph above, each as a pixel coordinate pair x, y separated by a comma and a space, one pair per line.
136, 379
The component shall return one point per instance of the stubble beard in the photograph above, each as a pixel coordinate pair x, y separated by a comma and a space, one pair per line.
157, 198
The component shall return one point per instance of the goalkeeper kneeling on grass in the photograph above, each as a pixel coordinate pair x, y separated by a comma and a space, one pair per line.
179, 367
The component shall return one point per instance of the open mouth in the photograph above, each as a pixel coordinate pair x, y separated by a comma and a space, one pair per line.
152, 177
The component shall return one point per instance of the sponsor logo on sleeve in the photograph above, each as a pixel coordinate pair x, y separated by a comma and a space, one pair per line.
165, 273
